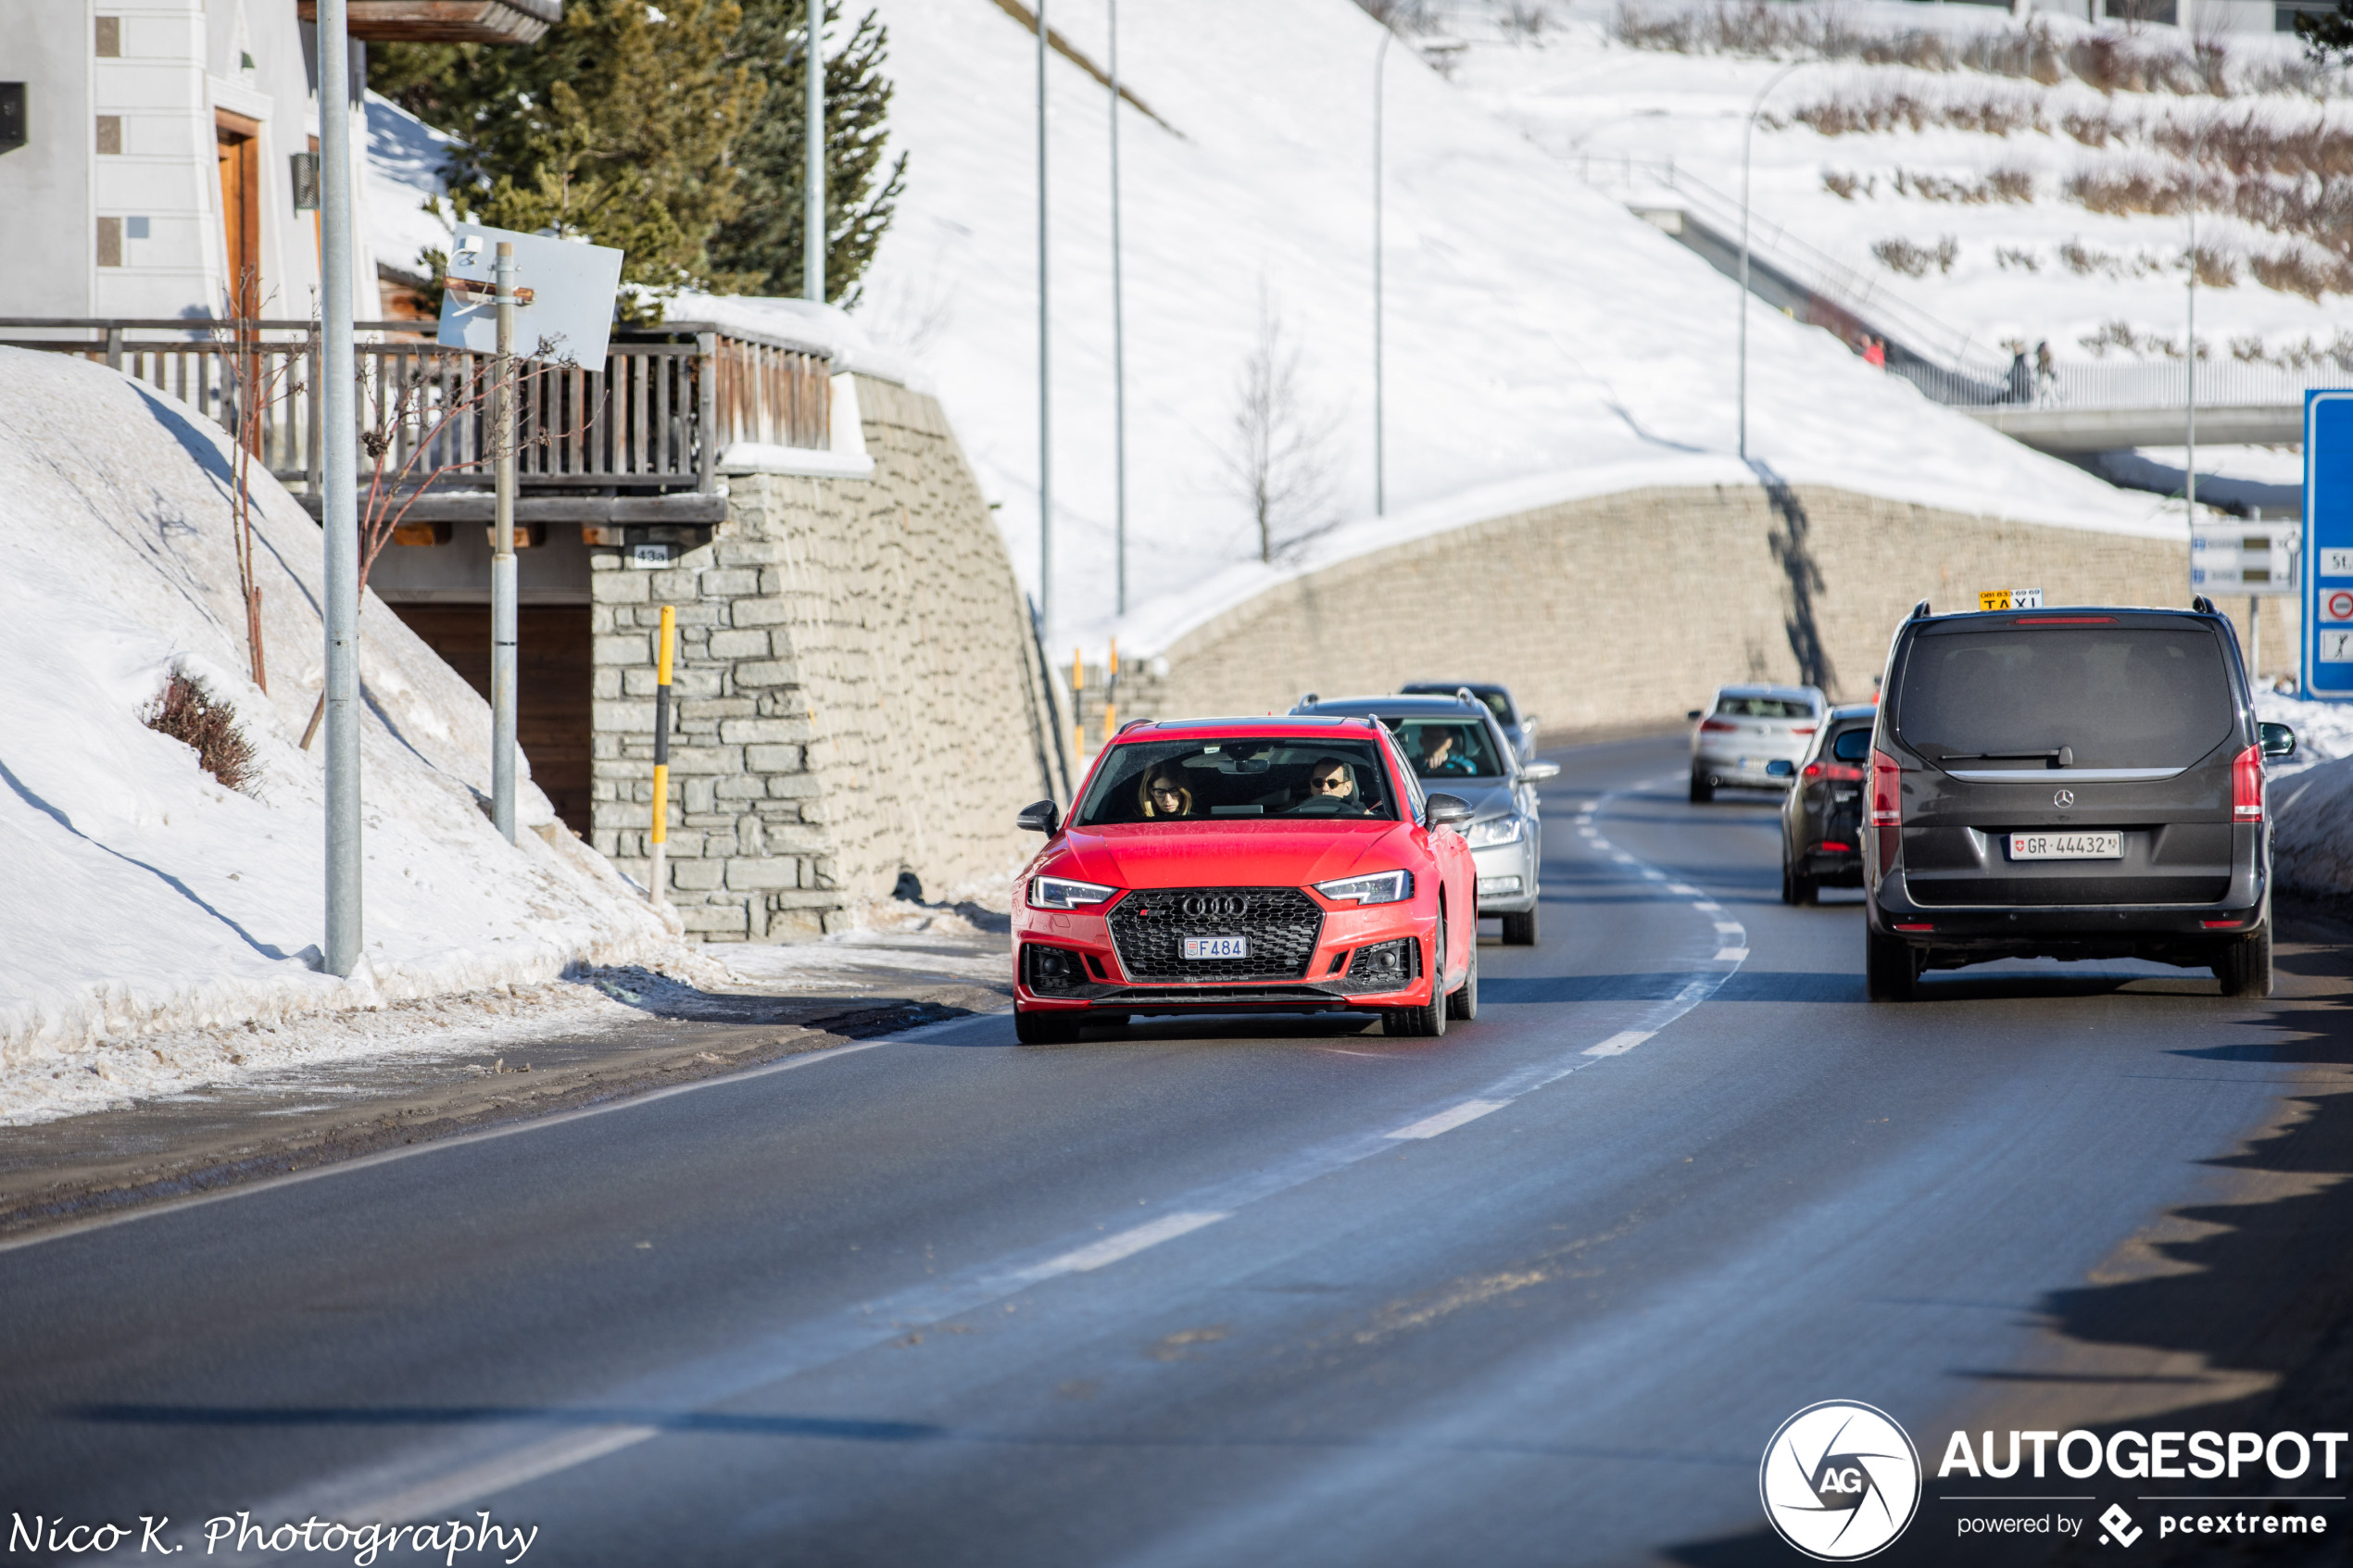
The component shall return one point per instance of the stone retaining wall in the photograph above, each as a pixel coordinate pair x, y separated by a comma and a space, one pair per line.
857, 692
1629, 608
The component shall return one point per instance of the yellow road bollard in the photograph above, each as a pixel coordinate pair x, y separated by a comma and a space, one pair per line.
660, 837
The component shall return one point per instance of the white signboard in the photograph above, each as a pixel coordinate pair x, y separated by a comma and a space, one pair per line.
571, 288
2258, 558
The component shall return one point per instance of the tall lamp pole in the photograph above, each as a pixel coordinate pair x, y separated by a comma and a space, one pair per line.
1747, 130
2189, 350
1045, 393
1381, 421
339, 471
812, 221
1118, 341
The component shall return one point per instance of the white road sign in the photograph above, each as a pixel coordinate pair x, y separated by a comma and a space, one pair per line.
571, 288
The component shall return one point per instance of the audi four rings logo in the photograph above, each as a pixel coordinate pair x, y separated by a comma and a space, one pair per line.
1840, 1480
1200, 904
2064, 797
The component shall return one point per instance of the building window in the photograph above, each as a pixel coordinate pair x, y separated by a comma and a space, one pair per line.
109, 38
109, 242
110, 134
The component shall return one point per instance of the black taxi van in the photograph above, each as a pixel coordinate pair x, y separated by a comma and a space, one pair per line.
2068, 782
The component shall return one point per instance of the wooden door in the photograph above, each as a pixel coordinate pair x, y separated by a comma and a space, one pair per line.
239, 146
554, 687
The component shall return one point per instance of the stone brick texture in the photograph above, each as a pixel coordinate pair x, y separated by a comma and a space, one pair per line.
1628, 610
857, 692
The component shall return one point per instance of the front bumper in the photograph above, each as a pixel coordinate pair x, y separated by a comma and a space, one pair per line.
1507, 875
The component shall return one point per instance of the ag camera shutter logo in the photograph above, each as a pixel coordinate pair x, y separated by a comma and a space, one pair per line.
1840, 1480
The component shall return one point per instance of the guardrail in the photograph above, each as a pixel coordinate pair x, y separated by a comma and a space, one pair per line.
655, 417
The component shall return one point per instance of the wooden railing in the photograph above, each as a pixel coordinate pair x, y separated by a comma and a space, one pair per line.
657, 416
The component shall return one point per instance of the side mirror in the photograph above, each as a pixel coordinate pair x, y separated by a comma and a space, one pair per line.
1780, 767
1693, 714
2278, 740
1445, 811
1528, 723
1041, 817
1537, 772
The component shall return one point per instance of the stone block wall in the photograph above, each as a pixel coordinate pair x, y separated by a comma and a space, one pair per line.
1628, 610
857, 692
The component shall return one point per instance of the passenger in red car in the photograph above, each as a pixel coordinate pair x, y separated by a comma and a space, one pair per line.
1163, 794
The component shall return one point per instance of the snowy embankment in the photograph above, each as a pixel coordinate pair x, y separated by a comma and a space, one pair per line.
144, 896
2311, 796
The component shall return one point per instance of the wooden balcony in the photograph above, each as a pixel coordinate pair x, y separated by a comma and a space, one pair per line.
445, 21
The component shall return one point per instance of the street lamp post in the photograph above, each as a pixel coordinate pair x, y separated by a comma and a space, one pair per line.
1380, 424
339, 477
2189, 350
1747, 130
1045, 395
1118, 345
812, 217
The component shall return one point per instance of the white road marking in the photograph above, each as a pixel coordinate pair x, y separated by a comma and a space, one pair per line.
1683, 888
507, 1471
1620, 1044
1731, 955
1731, 926
1706, 906
1654, 876
1447, 1120
1127, 1244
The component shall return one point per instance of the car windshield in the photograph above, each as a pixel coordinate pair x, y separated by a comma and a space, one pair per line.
1181, 781
1763, 708
2116, 697
1448, 749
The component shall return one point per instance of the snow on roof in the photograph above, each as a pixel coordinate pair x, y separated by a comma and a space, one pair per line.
142, 895
401, 173
1542, 344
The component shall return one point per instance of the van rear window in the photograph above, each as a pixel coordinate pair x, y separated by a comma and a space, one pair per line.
2117, 697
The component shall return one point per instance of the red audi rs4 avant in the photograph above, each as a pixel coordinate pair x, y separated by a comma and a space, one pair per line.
1235, 865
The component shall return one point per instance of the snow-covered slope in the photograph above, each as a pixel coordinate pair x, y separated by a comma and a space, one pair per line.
142, 895
1539, 338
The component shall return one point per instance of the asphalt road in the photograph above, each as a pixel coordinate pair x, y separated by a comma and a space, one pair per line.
1180, 1294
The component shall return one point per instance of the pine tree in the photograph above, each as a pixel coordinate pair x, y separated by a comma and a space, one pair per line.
763, 243
2328, 35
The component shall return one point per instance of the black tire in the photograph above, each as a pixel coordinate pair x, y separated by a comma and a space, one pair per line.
1424, 1023
1808, 889
1045, 1028
1789, 884
1462, 1004
1891, 968
1519, 931
2244, 966
1703, 788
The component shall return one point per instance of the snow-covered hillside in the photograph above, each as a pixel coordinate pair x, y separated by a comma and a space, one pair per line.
1541, 343
143, 895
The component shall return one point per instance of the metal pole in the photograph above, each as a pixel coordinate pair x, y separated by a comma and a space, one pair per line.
1118, 342
339, 478
1748, 130
1045, 395
812, 232
659, 875
502, 555
1380, 387
2189, 350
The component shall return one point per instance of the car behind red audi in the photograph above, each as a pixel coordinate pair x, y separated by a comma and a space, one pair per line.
1235, 865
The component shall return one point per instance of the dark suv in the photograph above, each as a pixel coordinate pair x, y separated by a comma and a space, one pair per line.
2069, 784
1822, 814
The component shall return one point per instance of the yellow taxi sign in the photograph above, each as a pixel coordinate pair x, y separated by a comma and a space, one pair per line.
2010, 599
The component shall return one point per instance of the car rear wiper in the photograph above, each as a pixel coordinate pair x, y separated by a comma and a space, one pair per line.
2060, 756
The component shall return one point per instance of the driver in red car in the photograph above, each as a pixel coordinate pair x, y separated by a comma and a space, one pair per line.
1243, 865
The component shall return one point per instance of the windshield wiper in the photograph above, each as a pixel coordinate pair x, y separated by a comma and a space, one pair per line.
2059, 757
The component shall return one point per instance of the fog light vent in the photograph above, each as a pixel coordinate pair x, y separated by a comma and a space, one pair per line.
1053, 969
1397, 960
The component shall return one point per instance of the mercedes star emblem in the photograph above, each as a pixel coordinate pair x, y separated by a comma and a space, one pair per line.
2064, 797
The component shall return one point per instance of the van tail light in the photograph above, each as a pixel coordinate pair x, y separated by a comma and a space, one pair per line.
2246, 786
1887, 811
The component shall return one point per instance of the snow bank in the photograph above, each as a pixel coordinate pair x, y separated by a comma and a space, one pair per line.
2313, 830
145, 897
1540, 338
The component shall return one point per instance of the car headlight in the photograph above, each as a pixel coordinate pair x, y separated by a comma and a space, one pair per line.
1381, 887
1496, 829
1061, 893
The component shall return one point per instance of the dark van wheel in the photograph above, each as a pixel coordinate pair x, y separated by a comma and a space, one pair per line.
1463, 1006
1788, 885
1519, 931
1703, 788
1805, 889
1891, 969
2245, 967
1045, 1028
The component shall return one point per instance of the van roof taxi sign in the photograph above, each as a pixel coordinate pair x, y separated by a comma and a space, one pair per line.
564, 294
2328, 545
2009, 598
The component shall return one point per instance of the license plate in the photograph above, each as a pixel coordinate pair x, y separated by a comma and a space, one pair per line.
1217, 946
2067, 847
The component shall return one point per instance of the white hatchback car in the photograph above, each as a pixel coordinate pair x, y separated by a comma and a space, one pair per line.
1747, 728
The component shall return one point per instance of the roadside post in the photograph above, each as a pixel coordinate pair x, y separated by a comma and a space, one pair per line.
564, 317
667, 637
1111, 695
2230, 555
2326, 665
339, 478
1077, 715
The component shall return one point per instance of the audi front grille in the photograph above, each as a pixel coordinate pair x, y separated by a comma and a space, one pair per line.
1281, 924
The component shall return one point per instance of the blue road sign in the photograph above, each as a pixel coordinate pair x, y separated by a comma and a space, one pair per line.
2328, 544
